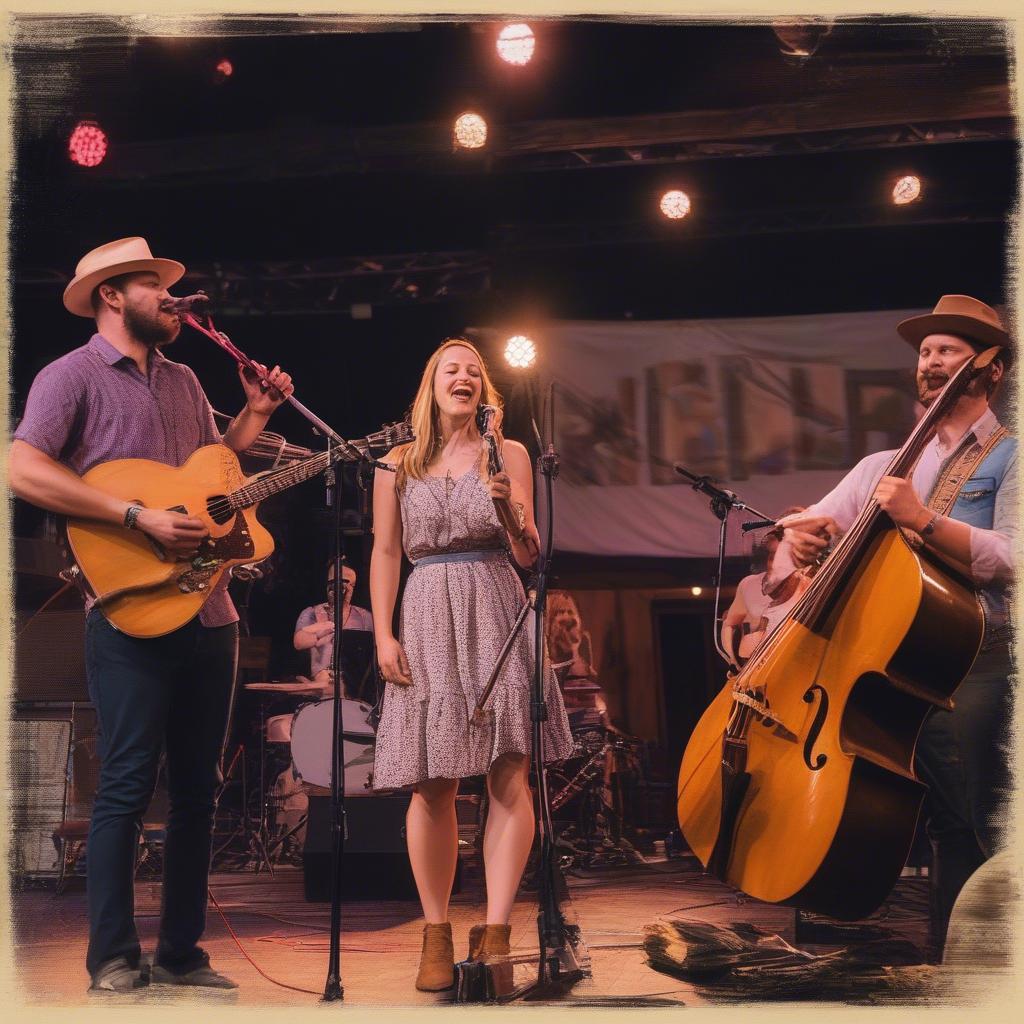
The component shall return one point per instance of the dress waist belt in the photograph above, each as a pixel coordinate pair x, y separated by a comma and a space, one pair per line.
490, 555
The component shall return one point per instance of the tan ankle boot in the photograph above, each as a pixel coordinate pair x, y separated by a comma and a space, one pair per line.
476, 936
437, 961
494, 941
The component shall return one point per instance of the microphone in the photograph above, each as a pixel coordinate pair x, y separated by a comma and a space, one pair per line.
195, 304
703, 483
485, 418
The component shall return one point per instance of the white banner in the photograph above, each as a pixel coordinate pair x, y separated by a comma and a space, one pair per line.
777, 409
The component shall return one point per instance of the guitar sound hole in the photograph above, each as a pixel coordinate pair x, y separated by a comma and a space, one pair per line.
218, 508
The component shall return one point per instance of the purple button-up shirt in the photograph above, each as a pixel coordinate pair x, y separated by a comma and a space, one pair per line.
93, 405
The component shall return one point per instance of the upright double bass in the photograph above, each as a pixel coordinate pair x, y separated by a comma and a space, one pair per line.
797, 785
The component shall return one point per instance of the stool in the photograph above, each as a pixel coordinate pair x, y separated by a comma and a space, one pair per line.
69, 838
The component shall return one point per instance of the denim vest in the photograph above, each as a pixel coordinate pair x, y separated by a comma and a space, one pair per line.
975, 504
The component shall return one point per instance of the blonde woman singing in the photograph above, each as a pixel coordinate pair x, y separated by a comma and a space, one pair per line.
460, 604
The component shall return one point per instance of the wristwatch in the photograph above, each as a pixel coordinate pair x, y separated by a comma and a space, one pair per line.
929, 528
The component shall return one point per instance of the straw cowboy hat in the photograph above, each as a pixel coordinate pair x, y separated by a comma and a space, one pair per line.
125, 256
960, 315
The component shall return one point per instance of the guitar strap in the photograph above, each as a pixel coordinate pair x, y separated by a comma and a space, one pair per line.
961, 466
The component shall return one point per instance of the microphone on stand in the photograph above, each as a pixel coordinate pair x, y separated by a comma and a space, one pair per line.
197, 305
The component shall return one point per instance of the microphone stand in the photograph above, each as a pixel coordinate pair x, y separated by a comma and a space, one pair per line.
333, 989
570, 960
722, 503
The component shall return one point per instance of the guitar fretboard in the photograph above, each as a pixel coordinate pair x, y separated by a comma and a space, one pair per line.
272, 483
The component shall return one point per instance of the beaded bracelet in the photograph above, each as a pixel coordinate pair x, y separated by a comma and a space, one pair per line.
131, 515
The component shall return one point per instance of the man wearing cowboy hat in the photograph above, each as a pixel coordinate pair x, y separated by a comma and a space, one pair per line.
961, 755
119, 397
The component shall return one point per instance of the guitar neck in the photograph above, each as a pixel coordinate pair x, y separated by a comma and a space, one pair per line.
278, 480
272, 483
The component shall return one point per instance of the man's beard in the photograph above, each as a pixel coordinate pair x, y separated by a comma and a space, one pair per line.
152, 331
928, 392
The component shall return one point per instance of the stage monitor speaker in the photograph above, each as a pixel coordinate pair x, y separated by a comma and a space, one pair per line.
40, 755
84, 767
375, 865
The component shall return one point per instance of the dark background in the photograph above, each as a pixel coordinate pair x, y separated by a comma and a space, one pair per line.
327, 154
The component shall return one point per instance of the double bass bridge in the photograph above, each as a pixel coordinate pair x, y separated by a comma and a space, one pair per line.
759, 705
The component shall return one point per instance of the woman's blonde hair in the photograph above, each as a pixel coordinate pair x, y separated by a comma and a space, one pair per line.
413, 458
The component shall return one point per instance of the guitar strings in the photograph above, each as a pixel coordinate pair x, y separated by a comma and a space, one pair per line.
267, 484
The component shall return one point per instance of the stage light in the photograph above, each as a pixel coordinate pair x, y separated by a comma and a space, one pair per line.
470, 131
224, 69
696, 591
675, 204
906, 190
516, 44
520, 352
801, 38
87, 144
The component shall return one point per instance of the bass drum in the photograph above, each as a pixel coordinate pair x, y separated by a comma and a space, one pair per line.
311, 744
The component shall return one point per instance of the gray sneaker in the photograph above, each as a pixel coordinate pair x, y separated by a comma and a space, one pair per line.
118, 975
202, 977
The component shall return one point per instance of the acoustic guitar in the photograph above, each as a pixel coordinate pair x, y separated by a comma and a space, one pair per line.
139, 588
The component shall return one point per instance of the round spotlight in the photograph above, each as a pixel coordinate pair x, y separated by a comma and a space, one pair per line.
470, 131
516, 44
675, 204
224, 69
801, 38
520, 352
906, 190
87, 144
696, 591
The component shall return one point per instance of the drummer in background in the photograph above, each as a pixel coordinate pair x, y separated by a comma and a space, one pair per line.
314, 630
753, 614
569, 649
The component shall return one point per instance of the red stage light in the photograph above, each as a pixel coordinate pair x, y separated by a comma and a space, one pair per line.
225, 69
87, 145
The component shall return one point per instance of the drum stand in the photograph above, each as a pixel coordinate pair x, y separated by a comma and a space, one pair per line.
284, 837
254, 834
258, 843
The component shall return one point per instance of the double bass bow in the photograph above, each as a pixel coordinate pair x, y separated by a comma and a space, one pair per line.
797, 785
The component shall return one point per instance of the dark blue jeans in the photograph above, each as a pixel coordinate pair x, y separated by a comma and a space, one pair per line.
171, 692
962, 755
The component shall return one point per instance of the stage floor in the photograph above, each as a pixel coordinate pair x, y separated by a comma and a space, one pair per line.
287, 938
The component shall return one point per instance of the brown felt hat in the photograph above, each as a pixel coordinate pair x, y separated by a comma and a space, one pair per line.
960, 315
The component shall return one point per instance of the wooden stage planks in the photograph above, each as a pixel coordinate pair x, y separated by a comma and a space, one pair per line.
288, 938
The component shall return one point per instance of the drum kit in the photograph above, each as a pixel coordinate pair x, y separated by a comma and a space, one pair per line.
584, 797
295, 752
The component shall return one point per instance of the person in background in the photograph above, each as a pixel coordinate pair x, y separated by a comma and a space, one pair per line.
314, 629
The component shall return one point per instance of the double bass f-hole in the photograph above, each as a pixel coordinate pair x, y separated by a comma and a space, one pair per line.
816, 726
